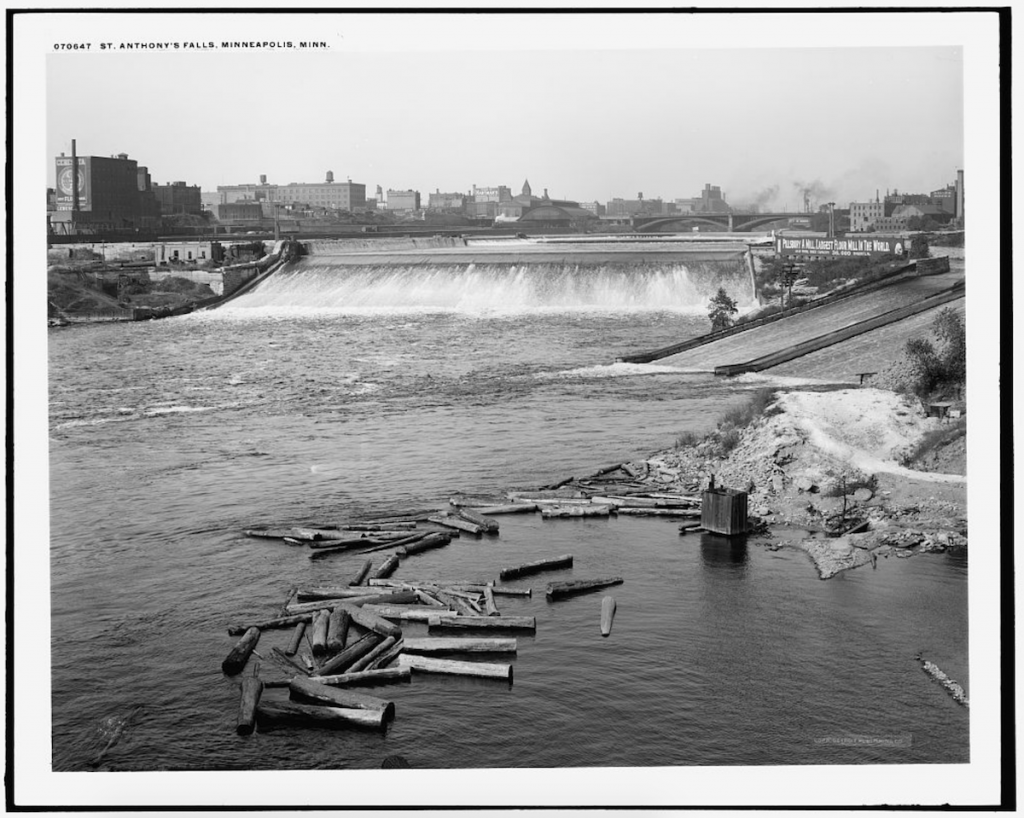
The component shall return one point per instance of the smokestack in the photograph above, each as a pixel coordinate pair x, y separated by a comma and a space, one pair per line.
330, 176
263, 178
74, 178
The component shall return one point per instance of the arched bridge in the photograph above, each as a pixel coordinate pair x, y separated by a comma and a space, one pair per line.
733, 222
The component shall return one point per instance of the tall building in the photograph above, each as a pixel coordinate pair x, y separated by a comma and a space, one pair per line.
178, 198
449, 202
500, 193
864, 215
403, 200
328, 194
99, 193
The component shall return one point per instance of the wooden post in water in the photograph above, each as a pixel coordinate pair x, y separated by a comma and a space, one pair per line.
724, 511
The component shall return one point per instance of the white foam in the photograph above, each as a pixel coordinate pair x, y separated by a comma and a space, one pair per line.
619, 369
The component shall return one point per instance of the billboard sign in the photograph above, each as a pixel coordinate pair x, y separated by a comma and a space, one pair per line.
65, 184
839, 248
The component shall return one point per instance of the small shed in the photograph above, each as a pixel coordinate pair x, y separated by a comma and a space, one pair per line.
724, 511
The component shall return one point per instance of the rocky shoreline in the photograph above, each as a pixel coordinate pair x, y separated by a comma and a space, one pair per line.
826, 465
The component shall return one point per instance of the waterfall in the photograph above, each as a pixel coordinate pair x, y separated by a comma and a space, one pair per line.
488, 288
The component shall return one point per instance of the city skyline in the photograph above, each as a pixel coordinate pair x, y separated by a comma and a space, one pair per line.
585, 124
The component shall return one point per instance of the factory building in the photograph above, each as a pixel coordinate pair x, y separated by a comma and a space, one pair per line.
178, 198
328, 194
100, 193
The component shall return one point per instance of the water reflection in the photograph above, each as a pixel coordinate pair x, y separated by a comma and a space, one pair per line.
717, 551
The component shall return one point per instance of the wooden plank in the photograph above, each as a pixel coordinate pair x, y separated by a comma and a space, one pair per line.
425, 664
507, 508
574, 511
492, 609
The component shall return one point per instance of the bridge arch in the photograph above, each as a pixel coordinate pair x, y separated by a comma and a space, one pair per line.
658, 225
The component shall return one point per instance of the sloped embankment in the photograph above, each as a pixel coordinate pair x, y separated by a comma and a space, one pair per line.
828, 461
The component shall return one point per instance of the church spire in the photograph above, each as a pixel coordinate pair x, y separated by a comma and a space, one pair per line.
526, 188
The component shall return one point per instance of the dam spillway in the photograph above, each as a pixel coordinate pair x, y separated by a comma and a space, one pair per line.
511, 276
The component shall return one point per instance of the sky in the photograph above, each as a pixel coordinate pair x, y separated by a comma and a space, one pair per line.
587, 117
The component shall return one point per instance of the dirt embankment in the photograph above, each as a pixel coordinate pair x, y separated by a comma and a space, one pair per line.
829, 462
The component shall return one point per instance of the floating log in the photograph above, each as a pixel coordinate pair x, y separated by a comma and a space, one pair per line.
367, 660
460, 645
952, 687
425, 543
475, 517
528, 623
337, 629
312, 534
268, 533
504, 590
415, 516
507, 508
308, 714
382, 661
341, 544
270, 624
360, 575
306, 690
692, 529
318, 605
559, 590
456, 522
371, 621
427, 599
387, 567
288, 600
319, 638
492, 609
366, 677
239, 655
659, 512
574, 511
607, 614
252, 689
407, 613
461, 500
536, 567
457, 604
349, 655
409, 526
425, 664
287, 662
549, 502
648, 502
547, 494
458, 584
331, 592
293, 645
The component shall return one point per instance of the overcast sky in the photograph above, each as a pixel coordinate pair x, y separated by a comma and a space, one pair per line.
587, 124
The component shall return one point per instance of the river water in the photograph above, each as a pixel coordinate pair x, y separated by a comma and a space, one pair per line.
318, 398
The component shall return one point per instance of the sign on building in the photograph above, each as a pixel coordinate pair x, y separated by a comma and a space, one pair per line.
65, 184
859, 246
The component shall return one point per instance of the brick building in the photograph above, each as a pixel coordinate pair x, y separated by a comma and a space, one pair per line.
403, 200
177, 198
108, 195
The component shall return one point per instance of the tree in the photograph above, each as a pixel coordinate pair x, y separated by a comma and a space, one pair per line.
949, 330
721, 309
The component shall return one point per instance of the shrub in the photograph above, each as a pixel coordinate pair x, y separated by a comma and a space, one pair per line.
721, 309
687, 439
